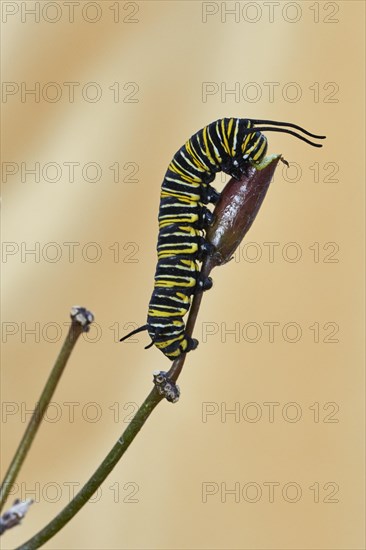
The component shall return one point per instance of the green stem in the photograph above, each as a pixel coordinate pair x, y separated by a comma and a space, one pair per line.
99, 475
76, 328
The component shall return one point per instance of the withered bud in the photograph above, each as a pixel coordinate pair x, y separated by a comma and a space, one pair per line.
82, 317
14, 515
166, 386
237, 208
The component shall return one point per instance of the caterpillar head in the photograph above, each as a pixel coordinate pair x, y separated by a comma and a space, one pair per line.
254, 148
254, 143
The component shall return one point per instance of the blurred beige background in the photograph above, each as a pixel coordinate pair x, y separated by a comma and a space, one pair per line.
118, 88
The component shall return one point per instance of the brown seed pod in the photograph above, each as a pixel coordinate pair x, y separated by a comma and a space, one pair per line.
237, 208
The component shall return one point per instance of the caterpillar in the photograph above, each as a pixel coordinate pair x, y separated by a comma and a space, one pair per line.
229, 145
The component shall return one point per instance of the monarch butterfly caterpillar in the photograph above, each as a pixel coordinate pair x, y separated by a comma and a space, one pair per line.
229, 145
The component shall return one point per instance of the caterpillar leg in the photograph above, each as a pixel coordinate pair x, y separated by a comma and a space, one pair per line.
206, 217
209, 194
213, 195
204, 283
192, 343
205, 249
232, 168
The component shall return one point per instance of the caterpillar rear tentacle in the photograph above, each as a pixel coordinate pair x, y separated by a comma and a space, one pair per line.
230, 145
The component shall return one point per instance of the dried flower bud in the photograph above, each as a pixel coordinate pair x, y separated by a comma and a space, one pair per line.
81, 316
14, 515
237, 208
166, 386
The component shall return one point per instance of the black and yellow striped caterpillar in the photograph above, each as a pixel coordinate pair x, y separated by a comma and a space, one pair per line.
229, 145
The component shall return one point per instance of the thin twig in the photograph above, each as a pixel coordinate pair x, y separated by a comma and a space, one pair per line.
80, 320
99, 475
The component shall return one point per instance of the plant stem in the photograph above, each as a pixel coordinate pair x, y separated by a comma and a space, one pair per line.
177, 365
99, 475
80, 322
